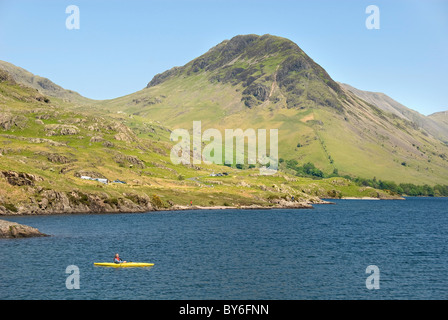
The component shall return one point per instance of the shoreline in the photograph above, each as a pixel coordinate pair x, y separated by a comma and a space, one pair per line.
371, 198
363, 198
12, 230
282, 205
251, 207
172, 208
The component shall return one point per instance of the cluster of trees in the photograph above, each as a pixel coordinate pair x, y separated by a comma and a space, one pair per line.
306, 170
408, 189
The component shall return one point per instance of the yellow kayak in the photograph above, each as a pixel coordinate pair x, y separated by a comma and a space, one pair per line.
123, 265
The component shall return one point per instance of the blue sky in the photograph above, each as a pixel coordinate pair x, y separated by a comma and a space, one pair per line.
121, 45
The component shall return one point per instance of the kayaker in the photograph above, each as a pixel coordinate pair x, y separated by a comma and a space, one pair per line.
117, 259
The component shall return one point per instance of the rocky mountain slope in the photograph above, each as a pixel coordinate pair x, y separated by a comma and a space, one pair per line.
441, 118
268, 82
430, 124
57, 156
41, 84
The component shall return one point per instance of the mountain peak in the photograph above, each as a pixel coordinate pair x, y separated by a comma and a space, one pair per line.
251, 45
43, 85
241, 46
258, 64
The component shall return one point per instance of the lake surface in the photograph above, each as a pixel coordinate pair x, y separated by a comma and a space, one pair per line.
319, 253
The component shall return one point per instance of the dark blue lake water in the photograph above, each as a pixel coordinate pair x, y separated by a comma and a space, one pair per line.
321, 253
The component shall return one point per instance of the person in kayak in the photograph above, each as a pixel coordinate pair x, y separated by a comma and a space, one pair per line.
117, 259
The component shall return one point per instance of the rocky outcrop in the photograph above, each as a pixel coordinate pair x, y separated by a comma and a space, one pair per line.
58, 202
254, 94
9, 121
124, 133
14, 230
97, 139
47, 201
19, 178
5, 76
55, 158
61, 130
131, 160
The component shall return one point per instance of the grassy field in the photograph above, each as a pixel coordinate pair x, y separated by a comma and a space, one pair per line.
57, 143
47, 143
359, 142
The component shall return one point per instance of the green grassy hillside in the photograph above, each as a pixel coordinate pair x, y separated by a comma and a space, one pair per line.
269, 82
47, 144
